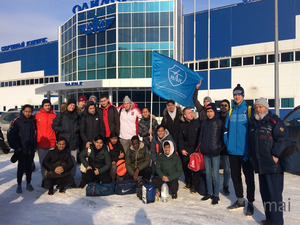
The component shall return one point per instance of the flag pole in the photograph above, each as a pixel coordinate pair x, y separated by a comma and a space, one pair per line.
151, 107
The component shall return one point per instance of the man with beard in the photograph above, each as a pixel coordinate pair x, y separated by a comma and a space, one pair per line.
268, 139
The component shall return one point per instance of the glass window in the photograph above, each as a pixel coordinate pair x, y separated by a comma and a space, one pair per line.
164, 46
81, 16
248, 61
101, 38
91, 14
148, 58
138, 19
124, 35
111, 36
236, 61
138, 72
36, 81
148, 72
138, 58
82, 52
260, 59
46, 80
152, 34
82, 41
22, 82
124, 7
82, 75
124, 73
91, 75
203, 65
287, 57
138, 46
164, 34
297, 56
90, 40
164, 19
138, 7
111, 48
56, 79
164, 6
287, 103
101, 49
191, 66
111, 9
152, 19
19, 82
51, 79
100, 74
10, 83
271, 102
224, 63
91, 62
152, 6
111, 60
27, 83
125, 20
124, 58
91, 50
101, 61
214, 64
138, 35
82, 63
111, 73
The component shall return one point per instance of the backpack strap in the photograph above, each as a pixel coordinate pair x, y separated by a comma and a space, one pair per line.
230, 111
249, 112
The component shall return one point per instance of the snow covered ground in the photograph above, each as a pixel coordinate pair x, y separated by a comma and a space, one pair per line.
74, 207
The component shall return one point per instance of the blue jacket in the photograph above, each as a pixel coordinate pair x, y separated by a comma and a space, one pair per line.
236, 134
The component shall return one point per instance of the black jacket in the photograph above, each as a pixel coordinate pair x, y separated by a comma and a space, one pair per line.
99, 159
188, 135
56, 158
115, 151
211, 137
22, 134
172, 125
144, 126
113, 118
66, 124
268, 137
91, 126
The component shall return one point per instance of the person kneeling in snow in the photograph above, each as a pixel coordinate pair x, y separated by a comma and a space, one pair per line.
58, 164
168, 168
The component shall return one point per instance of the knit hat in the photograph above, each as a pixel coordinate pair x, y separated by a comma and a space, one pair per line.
82, 98
212, 106
262, 101
238, 90
71, 100
89, 103
45, 101
207, 98
126, 99
92, 96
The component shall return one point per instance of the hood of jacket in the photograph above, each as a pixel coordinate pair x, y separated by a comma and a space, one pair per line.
63, 108
171, 148
140, 147
167, 133
178, 111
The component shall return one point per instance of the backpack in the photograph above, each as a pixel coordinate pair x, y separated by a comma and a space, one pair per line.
196, 162
148, 193
9, 134
249, 112
121, 168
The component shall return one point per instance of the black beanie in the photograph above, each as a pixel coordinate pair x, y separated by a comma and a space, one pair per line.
45, 101
212, 106
238, 90
71, 100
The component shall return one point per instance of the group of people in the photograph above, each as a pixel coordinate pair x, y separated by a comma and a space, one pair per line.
117, 143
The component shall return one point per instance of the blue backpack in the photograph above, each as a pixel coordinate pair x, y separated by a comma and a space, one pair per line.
148, 193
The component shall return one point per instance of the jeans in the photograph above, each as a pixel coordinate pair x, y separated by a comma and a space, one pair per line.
74, 159
212, 165
42, 152
226, 170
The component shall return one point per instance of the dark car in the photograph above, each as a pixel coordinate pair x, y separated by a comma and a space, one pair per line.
292, 122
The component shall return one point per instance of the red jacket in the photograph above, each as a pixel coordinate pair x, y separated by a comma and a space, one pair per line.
46, 137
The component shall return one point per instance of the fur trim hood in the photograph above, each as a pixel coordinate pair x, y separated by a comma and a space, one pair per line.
63, 108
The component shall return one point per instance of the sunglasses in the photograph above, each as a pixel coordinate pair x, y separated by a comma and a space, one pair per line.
223, 105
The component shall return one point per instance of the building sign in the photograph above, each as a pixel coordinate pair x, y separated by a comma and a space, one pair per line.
74, 83
96, 25
23, 44
92, 4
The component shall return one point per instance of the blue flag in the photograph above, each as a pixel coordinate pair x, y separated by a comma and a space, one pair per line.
172, 80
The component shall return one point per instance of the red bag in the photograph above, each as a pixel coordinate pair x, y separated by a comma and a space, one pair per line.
196, 160
121, 168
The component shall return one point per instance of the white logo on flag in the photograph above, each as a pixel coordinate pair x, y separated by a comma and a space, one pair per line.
176, 75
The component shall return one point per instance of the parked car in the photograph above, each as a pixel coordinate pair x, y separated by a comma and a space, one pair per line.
292, 122
6, 119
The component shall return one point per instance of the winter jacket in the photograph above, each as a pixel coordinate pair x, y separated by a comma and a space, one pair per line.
223, 118
200, 108
169, 165
56, 158
99, 159
268, 137
188, 135
172, 125
144, 126
91, 126
236, 134
156, 145
22, 134
137, 158
66, 124
211, 137
46, 136
129, 121
111, 119
115, 151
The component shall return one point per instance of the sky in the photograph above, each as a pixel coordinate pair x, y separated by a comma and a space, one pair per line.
25, 20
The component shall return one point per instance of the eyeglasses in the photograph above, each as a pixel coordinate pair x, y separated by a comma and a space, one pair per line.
223, 105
